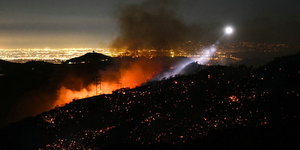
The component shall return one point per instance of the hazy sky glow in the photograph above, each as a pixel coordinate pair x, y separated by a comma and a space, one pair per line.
92, 23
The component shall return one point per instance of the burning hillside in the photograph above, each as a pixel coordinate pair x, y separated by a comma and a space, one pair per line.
47, 85
127, 74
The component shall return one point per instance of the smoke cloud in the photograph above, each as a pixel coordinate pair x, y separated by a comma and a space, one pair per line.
152, 25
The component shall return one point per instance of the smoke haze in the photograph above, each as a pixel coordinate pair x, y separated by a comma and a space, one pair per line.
152, 25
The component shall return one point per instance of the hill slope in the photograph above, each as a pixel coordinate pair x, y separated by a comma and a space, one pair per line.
89, 58
232, 107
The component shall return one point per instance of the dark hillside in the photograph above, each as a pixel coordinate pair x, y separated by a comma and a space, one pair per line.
220, 107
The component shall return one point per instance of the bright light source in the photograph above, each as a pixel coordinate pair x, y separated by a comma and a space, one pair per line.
228, 30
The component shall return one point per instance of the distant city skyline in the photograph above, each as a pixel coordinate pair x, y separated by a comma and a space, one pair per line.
233, 52
93, 23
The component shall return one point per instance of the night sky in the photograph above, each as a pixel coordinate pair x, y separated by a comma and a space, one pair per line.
93, 23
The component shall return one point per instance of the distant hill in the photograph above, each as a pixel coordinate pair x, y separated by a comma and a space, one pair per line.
251, 62
89, 58
3, 62
220, 107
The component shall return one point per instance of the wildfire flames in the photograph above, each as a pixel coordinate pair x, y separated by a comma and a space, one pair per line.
131, 76
66, 95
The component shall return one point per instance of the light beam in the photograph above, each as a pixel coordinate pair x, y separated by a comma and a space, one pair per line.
206, 55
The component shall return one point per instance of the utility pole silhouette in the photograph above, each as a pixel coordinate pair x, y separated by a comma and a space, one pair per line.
98, 82
119, 83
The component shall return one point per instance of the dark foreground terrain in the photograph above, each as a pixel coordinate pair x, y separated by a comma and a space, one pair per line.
220, 107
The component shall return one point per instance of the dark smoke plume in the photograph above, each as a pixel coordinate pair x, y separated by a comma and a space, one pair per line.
151, 25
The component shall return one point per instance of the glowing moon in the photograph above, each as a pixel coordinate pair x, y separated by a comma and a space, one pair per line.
228, 30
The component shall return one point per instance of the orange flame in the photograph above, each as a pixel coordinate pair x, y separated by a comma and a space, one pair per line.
131, 77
